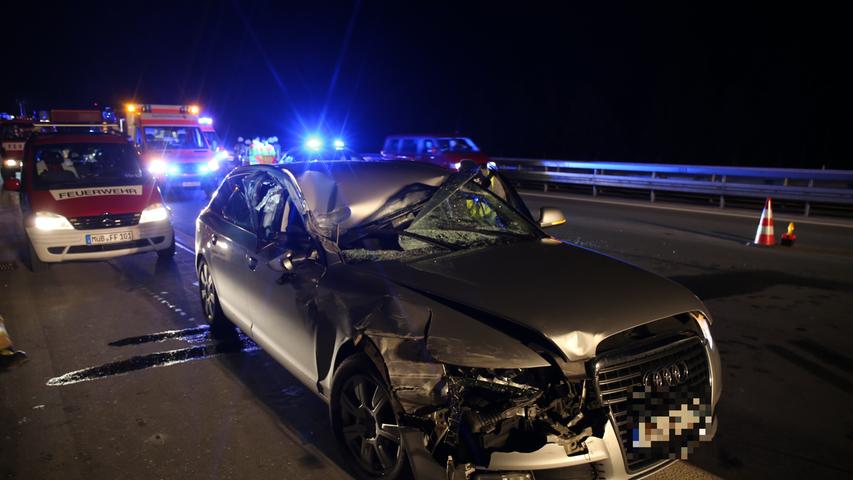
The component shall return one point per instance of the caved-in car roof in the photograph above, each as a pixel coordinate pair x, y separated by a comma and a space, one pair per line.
363, 186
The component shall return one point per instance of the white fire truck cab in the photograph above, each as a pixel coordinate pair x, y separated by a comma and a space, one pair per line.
173, 147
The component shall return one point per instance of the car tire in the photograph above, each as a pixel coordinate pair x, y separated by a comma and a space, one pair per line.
359, 405
210, 307
167, 253
33, 260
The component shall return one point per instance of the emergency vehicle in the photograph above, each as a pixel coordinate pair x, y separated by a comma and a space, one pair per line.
173, 147
226, 159
87, 196
13, 135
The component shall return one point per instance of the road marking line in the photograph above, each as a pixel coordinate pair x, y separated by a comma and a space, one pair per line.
783, 217
184, 247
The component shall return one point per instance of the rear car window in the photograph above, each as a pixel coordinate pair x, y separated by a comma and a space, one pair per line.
408, 146
391, 145
86, 164
456, 144
15, 132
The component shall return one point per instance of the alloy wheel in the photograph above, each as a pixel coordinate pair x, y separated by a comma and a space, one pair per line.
369, 426
208, 292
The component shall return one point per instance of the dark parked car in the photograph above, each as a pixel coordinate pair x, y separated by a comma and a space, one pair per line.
447, 331
449, 151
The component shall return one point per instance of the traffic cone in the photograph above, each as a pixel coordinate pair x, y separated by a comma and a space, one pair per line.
764, 235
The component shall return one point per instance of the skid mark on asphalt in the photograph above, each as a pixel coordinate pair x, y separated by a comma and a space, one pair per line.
813, 367
740, 282
824, 354
239, 343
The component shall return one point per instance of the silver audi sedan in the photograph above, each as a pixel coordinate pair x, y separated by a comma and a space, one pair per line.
449, 334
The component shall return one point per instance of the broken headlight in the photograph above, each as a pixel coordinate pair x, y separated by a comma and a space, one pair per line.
704, 325
491, 410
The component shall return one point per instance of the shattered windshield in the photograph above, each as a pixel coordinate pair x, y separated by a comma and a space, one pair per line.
421, 220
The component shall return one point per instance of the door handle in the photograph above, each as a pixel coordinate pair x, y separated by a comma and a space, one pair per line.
252, 262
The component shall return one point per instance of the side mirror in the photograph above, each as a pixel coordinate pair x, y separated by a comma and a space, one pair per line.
282, 263
12, 184
551, 217
286, 262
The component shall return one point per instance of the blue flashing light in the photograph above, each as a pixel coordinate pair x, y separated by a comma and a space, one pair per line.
339, 144
314, 143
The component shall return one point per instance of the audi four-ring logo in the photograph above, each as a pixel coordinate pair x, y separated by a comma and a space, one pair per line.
669, 376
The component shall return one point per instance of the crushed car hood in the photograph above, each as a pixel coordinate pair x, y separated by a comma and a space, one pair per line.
573, 296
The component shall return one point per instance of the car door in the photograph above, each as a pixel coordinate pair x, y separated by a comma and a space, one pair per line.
231, 242
281, 302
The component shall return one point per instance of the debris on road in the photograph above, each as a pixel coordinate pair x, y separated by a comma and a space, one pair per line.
9, 357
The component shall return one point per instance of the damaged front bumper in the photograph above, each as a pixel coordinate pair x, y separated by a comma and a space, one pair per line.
601, 458
542, 422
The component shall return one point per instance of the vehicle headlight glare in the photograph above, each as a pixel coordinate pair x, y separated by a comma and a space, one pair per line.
10, 162
51, 221
213, 164
156, 212
157, 167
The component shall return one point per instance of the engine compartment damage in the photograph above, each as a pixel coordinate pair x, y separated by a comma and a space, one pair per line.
458, 417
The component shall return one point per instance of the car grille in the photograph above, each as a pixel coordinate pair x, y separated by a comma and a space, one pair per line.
187, 168
615, 377
109, 220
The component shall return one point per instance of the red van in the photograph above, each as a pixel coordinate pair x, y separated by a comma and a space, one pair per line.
13, 135
86, 197
448, 151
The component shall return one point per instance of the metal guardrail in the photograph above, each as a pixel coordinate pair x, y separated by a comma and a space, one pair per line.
805, 185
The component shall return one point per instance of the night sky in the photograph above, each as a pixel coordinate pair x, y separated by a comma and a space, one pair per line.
671, 83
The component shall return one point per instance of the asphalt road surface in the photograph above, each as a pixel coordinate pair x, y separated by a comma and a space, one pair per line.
122, 382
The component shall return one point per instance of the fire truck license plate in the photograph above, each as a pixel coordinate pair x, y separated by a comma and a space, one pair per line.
190, 184
98, 238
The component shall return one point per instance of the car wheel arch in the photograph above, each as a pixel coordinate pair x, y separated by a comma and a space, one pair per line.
363, 345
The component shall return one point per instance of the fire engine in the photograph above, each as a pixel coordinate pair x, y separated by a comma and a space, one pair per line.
14, 133
85, 195
173, 147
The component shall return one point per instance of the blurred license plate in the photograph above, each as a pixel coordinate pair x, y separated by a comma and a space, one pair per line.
98, 238
190, 184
